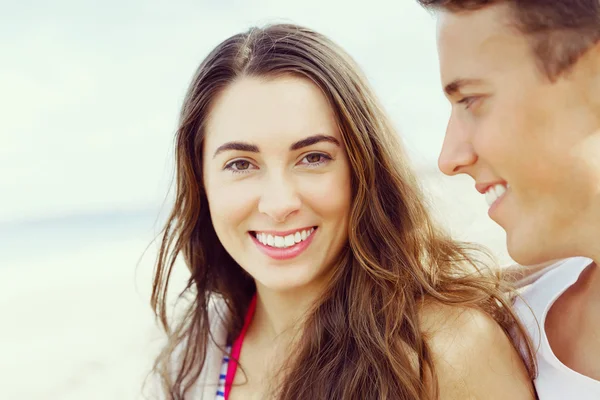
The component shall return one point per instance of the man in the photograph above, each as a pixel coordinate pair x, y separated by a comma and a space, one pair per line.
523, 78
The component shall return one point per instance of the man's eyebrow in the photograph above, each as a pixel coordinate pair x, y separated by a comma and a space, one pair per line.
457, 84
252, 148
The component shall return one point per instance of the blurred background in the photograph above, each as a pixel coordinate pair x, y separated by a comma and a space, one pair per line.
89, 98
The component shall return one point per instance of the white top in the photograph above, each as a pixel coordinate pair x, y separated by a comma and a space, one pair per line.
209, 382
223, 375
555, 381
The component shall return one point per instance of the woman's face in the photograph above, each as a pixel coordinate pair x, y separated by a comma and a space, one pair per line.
277, 179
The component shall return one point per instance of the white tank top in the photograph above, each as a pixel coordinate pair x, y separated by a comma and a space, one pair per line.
554, 381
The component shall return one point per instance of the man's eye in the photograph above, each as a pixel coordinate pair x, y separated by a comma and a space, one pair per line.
468, 101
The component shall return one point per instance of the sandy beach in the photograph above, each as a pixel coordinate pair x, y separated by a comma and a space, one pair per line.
74, 296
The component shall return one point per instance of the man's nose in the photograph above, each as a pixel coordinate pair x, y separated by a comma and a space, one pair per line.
457, 151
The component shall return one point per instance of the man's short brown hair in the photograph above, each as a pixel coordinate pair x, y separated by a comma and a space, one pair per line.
560, 31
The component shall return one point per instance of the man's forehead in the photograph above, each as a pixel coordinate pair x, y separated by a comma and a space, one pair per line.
476, 42
473, 29
493, 16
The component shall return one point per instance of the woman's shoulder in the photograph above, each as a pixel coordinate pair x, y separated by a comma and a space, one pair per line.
472, 355
439, 321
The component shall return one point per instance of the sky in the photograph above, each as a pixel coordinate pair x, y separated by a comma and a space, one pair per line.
90, 91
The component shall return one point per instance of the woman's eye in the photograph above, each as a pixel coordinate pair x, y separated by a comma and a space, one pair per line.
314, 158
239, 166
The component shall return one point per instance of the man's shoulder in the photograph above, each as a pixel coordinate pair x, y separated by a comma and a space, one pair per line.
533, 301
554, 278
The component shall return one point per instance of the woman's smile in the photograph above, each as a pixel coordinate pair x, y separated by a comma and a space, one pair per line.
284, 245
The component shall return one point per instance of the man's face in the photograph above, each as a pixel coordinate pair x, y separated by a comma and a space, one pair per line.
530, 144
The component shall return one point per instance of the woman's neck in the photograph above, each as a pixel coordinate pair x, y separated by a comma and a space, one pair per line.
279, 316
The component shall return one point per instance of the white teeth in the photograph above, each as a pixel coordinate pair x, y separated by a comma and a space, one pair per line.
283, 241
494, 193
279, 241
500, 190
289, 241
490, 196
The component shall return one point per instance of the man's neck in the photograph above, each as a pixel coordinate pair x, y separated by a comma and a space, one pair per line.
572, 324
591, 247
588, 225
590, 285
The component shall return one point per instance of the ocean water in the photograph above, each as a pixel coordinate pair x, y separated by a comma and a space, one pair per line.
74, 298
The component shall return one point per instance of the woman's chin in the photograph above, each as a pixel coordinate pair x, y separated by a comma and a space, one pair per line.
286, 281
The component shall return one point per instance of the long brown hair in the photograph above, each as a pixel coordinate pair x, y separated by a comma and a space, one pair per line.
362, 339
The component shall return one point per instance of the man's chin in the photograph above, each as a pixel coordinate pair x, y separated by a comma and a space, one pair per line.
527, 252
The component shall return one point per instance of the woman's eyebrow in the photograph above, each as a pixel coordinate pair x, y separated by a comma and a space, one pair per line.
252, 148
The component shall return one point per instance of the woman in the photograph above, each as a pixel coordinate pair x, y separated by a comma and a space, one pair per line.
314, 263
